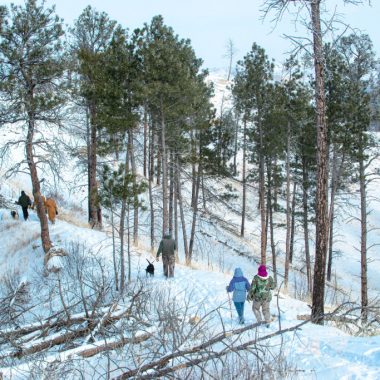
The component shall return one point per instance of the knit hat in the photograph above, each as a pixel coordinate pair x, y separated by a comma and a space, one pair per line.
262, 272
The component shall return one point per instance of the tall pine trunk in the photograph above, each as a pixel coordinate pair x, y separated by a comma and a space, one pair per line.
180, 203
145, 158
164, 159
123, 213
271, 224
293, 223
236, 136
45, 236
331, 214
94, 207
171, 194
114, 259
175, 210
288, 211
363, 240
195, 214
136, 200
322, 171
150, 185
244, 180
263, 210
336, 177
305, 186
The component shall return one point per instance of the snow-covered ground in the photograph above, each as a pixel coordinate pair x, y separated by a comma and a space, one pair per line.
317, 352
314, 352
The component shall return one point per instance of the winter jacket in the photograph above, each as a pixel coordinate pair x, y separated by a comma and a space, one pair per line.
261, 288
51, 208
24, 201
167, 246
239, 285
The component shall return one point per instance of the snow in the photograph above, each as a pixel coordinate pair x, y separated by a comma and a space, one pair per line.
317, 352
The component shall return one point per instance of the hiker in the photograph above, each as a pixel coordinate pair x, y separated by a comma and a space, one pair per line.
239, 285
51, 208
260, 294
167, 248
24, 201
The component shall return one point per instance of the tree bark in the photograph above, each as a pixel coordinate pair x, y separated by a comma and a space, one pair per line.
262, 201
331, 215
171, 194
195, 214
123, 213
45, 235
93, 185
114, 245
164, 159
271, 226
145, 163
244, 180
288, 210
322, 172
293, 223
136, 200
305, 186
180, 202
363, 241
175, 212
150, 184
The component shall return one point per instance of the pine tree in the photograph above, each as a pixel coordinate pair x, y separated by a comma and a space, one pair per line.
254, 76
92, 34
32, 86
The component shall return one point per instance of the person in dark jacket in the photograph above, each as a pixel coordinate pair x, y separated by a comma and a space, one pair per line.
167, 248
24, 201
239, 285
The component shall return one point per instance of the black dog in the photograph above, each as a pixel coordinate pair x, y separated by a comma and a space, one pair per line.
150, 268
14, 214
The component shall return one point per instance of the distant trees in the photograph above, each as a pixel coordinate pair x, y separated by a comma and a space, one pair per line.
253, 80
92, 34
32, 86
176, 102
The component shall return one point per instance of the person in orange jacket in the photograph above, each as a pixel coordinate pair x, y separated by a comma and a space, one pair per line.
51, 208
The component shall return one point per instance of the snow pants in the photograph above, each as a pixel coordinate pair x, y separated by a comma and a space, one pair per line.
239, 306
25, 213
264, 305
168, 263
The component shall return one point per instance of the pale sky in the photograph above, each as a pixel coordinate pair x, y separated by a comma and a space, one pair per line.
210, 24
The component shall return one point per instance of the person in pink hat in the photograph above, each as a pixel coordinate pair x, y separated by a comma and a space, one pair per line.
260, 294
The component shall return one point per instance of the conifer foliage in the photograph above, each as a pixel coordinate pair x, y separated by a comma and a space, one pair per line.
32, 86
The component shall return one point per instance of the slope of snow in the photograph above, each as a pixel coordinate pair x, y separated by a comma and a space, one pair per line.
316, 352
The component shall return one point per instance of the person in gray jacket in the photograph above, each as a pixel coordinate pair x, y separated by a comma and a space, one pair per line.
167, 248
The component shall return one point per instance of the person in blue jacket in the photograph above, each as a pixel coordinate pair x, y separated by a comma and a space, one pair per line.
239, 285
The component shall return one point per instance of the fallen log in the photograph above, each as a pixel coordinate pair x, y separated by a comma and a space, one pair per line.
102, 346
55, 340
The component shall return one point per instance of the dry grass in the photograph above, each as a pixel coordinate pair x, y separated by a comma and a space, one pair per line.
70, 218
22, 242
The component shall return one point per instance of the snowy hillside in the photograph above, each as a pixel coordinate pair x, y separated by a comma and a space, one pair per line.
188, 321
